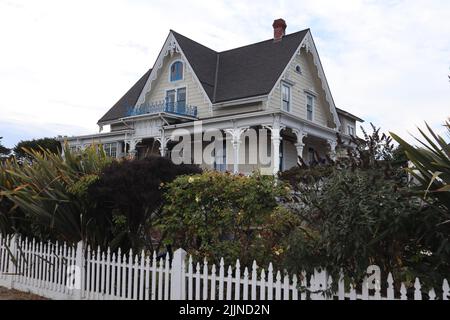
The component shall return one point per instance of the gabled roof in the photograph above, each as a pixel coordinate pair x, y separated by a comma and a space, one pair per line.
243, 72
120, 108
254, 69
348, 114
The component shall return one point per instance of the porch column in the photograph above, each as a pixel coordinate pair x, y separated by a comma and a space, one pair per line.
332, 144
235, 142
132, 147
275, 130
300, 145
163, 140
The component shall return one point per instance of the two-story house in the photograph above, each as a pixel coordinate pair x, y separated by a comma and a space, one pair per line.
277, 86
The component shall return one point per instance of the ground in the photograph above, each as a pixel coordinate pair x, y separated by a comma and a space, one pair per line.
6, 294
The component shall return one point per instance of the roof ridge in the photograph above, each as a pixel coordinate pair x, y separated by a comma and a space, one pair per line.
263, 41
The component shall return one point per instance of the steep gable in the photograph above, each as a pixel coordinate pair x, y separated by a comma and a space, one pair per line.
129, 99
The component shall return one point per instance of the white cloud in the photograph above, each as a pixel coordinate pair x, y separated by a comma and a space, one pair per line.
67, 62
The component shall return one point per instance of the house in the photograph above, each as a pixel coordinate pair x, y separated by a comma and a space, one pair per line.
270, 95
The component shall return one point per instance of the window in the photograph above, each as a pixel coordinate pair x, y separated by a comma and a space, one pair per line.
110, 149
351, 130
170, 100
176, 100
309, 107
181, 100
298, 69
286, 97
176, 71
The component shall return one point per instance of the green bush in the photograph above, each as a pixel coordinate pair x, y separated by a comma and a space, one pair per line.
360, 211
50, 193
218, 215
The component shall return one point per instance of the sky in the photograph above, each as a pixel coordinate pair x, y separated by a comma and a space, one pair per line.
64, 63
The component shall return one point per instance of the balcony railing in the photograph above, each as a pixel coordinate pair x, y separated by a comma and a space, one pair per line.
177, 108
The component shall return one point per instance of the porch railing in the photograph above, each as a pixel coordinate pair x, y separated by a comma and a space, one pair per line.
177, 108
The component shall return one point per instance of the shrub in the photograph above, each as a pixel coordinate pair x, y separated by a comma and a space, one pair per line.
223, 215
50, 193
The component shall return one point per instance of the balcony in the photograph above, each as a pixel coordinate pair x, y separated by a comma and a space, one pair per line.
175, 108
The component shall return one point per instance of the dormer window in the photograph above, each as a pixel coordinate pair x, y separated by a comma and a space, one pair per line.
176, 71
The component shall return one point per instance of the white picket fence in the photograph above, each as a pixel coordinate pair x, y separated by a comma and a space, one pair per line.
62, 271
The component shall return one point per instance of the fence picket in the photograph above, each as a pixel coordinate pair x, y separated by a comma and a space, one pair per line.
390, 288
229, 282
445, 290
190, 279
254, 279
205, 280
403, 292
221, 278
197, 281
432, 294
270, 282
43, 268
160, 279
141, 277
417, 292
147, 278
153, 295
278, 286
245, 283
262, 286
294, 288
213, 282
237, 281
166, 280
135, 277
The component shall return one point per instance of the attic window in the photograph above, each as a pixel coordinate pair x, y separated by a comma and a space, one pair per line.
298, 69
176, 71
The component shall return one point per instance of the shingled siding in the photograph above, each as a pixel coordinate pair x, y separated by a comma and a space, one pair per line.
307, 80
195, 95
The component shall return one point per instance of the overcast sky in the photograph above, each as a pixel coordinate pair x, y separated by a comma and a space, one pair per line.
63, 64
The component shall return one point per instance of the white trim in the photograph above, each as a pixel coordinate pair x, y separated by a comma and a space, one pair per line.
183, 71
240, 101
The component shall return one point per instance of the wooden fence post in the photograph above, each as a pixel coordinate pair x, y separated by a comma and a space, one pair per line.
12, 262
79, 273
177, 275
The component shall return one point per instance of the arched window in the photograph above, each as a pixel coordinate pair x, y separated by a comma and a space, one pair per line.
176, 71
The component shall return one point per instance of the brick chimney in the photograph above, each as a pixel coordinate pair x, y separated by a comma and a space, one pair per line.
279, 29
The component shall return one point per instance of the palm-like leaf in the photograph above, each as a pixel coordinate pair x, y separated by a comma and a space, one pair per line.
430, 164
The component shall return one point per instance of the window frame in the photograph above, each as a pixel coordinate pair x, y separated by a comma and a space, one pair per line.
352, 131
175, 101
313, 98
289, 87
170, 71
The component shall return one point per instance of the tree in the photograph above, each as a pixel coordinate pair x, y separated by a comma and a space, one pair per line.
4, 152
130, 194
50, 144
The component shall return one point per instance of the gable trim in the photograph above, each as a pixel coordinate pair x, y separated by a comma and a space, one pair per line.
308, 44
170, 46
